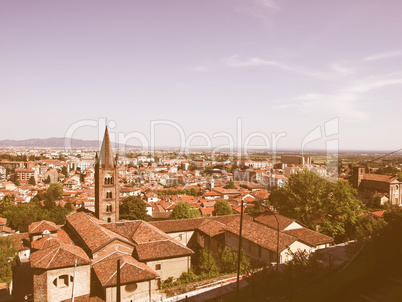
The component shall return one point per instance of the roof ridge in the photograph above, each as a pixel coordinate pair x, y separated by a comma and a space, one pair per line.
58, 248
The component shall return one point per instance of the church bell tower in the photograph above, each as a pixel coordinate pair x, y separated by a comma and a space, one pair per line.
106, 183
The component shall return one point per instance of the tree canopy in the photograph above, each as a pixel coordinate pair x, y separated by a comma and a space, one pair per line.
222, 207
230, 185
8, 252
21, 216
183, 210
313, 200
134, 208
54, 192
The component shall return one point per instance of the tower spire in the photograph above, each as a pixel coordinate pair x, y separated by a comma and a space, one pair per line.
106, 158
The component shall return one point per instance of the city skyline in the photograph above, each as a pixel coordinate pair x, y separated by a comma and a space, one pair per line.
280, 67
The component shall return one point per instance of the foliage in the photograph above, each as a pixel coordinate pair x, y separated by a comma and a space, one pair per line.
222, 207
47, 180
64, 171
227, 261
183, 210
8, 252
134, 208
19, 217
230, 185
311, 199
54, 192
5, 202
32, 181
303, 263
206, 264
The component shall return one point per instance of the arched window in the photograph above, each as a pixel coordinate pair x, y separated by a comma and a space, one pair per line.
108, 179
108, 194
108, 208
109, 220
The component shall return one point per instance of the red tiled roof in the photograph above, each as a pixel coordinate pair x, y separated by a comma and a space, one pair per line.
130, 270
309, 236
261, 235
91, 232
379, 177
269, 220
207, 211
161, 249
379, 214
57, 256
41, 226
45, 242
212, 227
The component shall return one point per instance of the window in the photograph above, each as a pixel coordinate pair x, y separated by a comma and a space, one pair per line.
63, 281
131, 287
109, 208
108, 194
108, 179
109, 219
158, 267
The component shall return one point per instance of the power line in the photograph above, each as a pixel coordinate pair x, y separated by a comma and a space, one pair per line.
379, 157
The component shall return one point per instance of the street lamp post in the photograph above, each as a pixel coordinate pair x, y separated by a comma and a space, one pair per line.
277, 241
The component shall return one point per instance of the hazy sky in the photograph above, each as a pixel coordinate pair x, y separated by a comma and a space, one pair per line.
280, 66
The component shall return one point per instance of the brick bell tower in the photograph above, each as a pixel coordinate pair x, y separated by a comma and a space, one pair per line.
106, 183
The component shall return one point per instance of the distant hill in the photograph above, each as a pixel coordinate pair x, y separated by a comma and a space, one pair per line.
55, 142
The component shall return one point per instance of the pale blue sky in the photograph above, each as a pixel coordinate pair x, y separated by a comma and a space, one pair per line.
280, 66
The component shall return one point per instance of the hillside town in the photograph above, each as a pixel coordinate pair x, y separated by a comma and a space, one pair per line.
77, 258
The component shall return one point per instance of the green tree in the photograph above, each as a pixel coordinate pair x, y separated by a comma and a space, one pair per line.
341, 212
8, 253
64, 171
230, 185
5, 202
183, 210
134, 208
310, 199
227, 261
47, 180
206, 264
32, 181
54, 192
302, 197
195, 213
222, 207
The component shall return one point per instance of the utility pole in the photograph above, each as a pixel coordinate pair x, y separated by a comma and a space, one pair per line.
239, 251
118, 294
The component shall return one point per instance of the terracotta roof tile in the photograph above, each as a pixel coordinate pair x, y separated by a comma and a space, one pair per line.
161, 249
91, 232
309, 236
379, 177
269, 220
57, 256
130, 270
260, 234
40, 226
